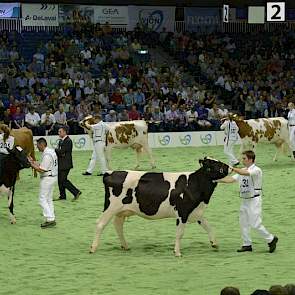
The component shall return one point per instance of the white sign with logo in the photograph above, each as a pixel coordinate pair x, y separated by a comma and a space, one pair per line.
116, 15
156, 140
40, 15
152, 18
9, 10
80, 142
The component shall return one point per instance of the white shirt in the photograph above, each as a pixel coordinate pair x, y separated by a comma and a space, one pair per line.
49, 163
99, 131
32, 119
8, 144
231, 130
250, 186
291, 117
60, 118
50, 119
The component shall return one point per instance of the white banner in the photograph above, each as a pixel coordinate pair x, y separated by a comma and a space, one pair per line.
114, 15
152, 18
156, 140
9, 10
40, 15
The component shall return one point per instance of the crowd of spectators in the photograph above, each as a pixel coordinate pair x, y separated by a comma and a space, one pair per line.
289, 289
89, 69
253, 72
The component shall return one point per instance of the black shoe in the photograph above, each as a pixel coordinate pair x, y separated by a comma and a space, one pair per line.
60, 199
86, 173
48, 224
100, 174
77, 196
237, 164
273, 244
245, 249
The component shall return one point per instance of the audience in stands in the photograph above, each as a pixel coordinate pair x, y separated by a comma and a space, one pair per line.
60, 78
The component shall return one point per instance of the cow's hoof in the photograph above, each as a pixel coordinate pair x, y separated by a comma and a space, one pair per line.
154, 167
91, 251
214, 245
125, 248
13, 221
177, 254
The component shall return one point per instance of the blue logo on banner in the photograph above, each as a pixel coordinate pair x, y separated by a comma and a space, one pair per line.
151, 19
164, 140
206, 139
80, 143
186, 139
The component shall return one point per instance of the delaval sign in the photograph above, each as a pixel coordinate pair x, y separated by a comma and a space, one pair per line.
9, 10
197, 18
116, 15
40, 15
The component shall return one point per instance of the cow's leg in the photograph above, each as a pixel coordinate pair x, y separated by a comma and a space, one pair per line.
10, 194
211, 235
179, 234
108, 153
105, 218
150, 154
118, 223
138, 153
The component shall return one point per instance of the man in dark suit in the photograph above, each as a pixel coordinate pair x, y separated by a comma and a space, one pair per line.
65, 164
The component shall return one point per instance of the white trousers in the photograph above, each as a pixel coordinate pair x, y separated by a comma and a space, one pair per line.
250, 217
292, 137
98, 154
46, 196
229, 151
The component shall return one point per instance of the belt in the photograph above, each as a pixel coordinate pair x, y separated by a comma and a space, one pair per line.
255, 196
291, 125
95, 141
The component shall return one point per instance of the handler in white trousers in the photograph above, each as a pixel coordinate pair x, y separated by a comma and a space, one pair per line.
231, 131
250, 180
48, 169
291, 125
99, 131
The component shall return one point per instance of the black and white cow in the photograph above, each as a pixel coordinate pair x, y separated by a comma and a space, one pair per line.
11, 165
151, 195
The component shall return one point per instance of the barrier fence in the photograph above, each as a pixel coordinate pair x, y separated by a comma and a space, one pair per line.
179, 27
156, 140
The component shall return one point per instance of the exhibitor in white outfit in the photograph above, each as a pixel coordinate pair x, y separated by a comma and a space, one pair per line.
231, 131
291, 124
250, 180
99, 130
48, 169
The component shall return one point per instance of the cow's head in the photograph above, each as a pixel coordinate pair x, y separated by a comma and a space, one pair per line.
89, 120
214, 168
20, 156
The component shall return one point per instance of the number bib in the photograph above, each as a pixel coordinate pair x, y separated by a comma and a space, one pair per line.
246, 188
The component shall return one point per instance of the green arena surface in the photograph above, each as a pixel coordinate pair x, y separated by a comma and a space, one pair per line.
56, 260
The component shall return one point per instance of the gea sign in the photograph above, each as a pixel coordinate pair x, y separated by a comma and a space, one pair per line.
111, 11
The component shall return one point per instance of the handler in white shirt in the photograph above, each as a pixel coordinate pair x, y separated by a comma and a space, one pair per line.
231, 131
291, 124
48, 169
99, 130
250, 180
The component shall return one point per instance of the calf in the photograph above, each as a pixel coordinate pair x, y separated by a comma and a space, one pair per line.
183, 196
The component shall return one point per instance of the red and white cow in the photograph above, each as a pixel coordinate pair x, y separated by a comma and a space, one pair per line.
183, 196
267, 130
125, 134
